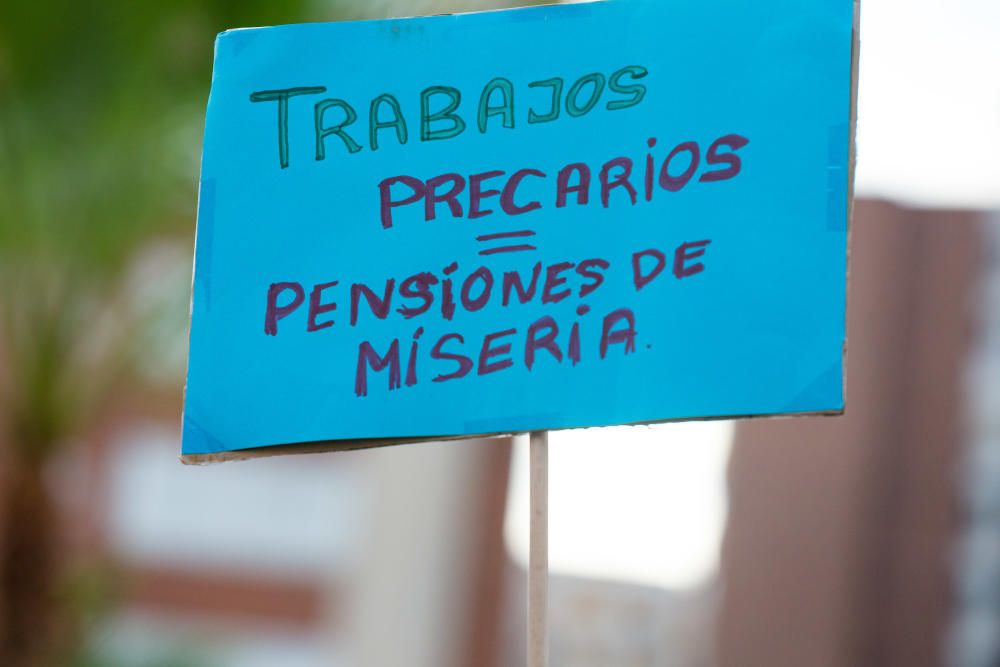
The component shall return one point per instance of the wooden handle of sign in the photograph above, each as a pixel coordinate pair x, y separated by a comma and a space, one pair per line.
538, 556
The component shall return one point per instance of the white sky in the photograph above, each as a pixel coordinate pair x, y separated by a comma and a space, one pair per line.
645, 504
929, 102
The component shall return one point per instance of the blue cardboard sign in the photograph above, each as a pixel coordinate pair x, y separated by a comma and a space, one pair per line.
579, 215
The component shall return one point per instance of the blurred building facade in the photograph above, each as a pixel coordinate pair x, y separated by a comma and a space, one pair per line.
842, 534
378, 558
595, 623
974, 639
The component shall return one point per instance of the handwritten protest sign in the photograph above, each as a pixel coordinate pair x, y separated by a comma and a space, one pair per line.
569, 216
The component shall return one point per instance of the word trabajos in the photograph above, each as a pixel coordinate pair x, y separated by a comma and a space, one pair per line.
441, 115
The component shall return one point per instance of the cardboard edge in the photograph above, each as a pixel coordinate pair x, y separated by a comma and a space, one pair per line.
381, 443
852, 160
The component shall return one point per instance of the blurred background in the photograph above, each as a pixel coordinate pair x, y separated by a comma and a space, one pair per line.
867, 540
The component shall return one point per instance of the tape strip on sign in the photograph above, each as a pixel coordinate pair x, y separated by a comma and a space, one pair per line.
837, 174
624, 212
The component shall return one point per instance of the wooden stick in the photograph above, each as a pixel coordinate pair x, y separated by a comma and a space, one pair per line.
538, 555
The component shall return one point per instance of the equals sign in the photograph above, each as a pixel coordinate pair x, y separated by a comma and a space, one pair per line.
509, 237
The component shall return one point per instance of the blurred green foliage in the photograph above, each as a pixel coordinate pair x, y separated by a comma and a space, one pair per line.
101, 112
100, 120
101, 105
